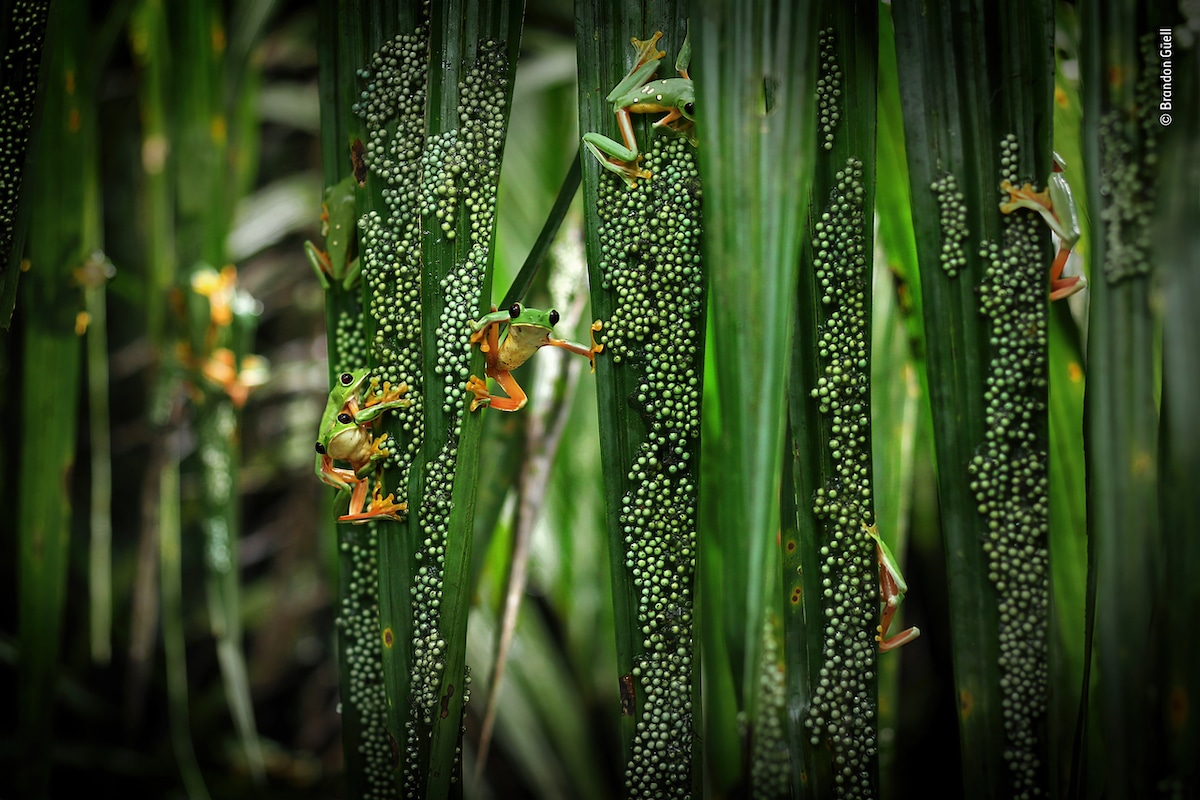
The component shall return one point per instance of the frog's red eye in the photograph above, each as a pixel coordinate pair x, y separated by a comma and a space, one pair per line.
320, 448
553, 318
345, 418
346, 378
514, 310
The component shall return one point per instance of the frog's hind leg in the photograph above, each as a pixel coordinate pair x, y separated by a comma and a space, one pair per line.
890, 590
380, 508
337, 477
1061, 287
516, 395
490, 345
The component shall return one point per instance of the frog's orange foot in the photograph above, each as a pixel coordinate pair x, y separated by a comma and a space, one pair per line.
596, 348
378, 451
478, 387
380, 508
389, 394
1023, 197
630, 170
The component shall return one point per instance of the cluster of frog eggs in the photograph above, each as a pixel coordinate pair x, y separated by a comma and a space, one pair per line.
350, 349
650, 245
394, 92
461, 171
651, 261
952, 216
358, 626
460, 167
393, 95
21, 58
1009, 477
1128, 176
358, 611
842, 711
829, 88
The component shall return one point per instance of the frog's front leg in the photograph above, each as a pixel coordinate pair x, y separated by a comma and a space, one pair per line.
376, 404
377, 453
684, 59
486, 331
579, 349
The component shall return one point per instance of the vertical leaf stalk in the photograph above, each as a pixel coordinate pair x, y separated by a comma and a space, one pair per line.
439, 166
647, 285
368, 745
830, 414
754, 93
24, 31
967, 75
1121, 417
50, 379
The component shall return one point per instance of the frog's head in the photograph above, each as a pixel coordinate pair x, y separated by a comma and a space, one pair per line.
346, 385
349, 382
519, 315
687, 101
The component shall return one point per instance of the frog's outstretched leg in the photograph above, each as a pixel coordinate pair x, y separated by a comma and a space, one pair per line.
578, 349
376, 404
623, 158
615, 158
647, 51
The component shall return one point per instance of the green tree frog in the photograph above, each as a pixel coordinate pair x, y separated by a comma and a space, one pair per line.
528, 330
1056, 204
891, 591
345, 435
338, 220
637, 94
